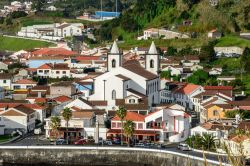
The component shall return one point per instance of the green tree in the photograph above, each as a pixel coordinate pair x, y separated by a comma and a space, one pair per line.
207, 53
38, 5
244, 114
199, 77
244, 61
55, 124
121, 113
208, 142
8, 21
67, 115
194, 141
129, 128
171, 51
165, 74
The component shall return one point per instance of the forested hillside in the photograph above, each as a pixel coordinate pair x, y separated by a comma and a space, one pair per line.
229, 16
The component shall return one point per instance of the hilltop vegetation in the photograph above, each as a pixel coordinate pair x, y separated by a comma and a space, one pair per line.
229, 16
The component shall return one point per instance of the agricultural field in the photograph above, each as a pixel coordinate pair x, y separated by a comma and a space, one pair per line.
16, 44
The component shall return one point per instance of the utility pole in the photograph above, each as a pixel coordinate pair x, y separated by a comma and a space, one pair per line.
101, 11
116, 8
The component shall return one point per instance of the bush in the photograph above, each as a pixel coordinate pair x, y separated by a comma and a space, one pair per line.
18, 14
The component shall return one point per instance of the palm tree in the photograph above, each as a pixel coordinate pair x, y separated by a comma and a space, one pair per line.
208, 141
129, 128
55, 124
67, 115
121, 113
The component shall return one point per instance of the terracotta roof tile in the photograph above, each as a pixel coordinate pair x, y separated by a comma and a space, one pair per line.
25, 109
86, 58
25, 81
187, 89
82, 114
131, 116
62, 99
53, 52
218, 87
11, 112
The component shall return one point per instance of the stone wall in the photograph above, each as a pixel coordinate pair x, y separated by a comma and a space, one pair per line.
60, 155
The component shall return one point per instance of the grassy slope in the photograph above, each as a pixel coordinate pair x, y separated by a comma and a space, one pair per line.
16, 44
178, 43
233, 41
233, 64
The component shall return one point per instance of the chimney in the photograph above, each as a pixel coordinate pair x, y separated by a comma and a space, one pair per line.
39, 94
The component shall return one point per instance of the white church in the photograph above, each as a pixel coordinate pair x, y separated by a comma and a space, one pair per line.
128, 81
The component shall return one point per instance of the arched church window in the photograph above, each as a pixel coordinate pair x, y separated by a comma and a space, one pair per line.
113, 95
151, 63
113, 63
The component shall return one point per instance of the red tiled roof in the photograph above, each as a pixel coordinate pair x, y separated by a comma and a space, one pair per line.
187, 89
131, 116
31, 69
53, 52
62, 99
218, 87
76, 108
25, 81
40, 100
12, 105
45, 66
87, 58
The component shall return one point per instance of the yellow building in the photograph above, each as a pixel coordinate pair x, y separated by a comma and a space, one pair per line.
217, 111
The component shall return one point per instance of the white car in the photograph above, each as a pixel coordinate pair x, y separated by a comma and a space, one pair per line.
37, 131
183, 147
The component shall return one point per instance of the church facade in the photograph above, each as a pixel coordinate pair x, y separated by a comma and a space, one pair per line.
128, 80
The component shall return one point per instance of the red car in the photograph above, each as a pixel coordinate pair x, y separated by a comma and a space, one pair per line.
80, 142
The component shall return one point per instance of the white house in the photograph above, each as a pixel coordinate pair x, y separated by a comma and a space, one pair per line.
5, 80
3, 66
174, 70
23, 84
218, 130
215, 71
66, 30
151, 33
51, 8
82, 124
181, 93
40, 111
17, 118
165, 124
54, 70
214, 34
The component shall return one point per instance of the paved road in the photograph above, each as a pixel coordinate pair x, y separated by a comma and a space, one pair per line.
34, 140
29, 140
199, 154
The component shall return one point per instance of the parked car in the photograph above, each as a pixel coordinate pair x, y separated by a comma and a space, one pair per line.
183, 147
108, 142
38, 131
61, 141
139, 145
116, 141
80, 142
